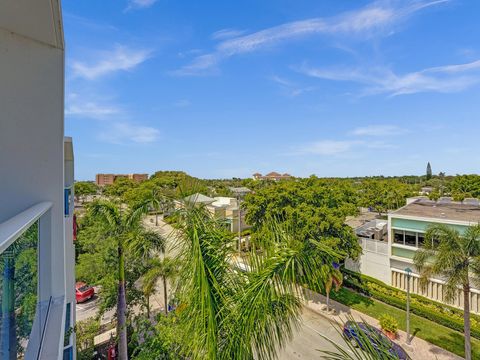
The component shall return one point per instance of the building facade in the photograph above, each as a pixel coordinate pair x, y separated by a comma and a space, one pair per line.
274, 176
109, 179
37, 201
387, 257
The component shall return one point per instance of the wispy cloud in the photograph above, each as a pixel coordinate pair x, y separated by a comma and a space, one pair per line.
328, 147
120, 58
378, 17
121, 133
378, 130
140, 4
227, 34
78, 106
443, 79
290, 87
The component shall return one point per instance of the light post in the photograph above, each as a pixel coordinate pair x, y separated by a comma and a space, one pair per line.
409, 272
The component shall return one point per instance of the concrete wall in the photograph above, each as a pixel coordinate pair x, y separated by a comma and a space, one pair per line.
374, 260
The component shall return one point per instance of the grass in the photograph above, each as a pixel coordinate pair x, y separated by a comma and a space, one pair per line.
434, 333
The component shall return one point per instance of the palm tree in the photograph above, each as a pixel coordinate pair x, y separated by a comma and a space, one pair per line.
123, 226
333, 276
157, 201
456, 258
230, 313
165, 269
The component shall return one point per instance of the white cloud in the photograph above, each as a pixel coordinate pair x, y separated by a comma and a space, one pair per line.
377, 130
140, 4
227, 34
376, 17
291, 88
121, 58
121, 133
78, 106
328, 147
443, 79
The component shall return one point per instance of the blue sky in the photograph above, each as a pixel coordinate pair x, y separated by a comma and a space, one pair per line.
224, 89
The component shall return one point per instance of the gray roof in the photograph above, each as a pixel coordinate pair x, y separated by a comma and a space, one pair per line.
445, 209
240, 190
199, 198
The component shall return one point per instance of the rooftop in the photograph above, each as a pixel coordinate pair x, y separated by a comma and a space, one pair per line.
442, 209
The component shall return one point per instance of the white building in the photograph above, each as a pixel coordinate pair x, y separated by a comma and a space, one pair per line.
387, 257
36, 175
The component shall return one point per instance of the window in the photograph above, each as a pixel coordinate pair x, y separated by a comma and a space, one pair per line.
410, 238
421, 239
398, 236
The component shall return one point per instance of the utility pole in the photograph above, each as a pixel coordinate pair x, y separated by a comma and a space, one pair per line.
239, 225
409, 272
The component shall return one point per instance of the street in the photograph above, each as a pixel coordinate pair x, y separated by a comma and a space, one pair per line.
308, 342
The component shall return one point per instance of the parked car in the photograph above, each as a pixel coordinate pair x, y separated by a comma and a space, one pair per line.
374, 336
83, 292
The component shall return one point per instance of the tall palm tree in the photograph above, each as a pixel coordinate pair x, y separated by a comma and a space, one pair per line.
123, 225
230, 313
165, 269
456, 258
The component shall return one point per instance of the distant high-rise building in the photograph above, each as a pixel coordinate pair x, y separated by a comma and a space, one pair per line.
109, 179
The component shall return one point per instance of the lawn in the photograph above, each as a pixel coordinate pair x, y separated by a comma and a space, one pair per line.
434, 333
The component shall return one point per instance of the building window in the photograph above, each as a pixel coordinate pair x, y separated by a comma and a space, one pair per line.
398, 236
410, 238
421, 239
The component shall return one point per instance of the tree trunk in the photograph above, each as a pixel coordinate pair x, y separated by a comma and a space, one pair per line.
121, 308
148, 306
165, 296
8, 336
328, 300
466, 321
156, 218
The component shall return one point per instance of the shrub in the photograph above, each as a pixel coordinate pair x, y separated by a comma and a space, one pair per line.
388, 323
437, 312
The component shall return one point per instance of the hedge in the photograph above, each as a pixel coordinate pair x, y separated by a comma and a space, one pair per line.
437, 312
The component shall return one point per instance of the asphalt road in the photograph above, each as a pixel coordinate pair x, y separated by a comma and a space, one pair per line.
308, 342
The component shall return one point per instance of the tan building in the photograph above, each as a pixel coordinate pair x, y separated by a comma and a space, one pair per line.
272, 176
109, 179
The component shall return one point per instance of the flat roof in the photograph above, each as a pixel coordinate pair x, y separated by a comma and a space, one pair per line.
441, 210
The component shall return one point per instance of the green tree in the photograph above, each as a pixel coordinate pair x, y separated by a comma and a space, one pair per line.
229, 313
165, 269
429, 171
333, 277
315, 208
455, 257
123, 226
463, 186
83, 188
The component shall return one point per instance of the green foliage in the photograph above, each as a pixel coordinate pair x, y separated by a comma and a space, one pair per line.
227, 313
388, 323
463, 186
314, 208
429, 171
439, 313
119, 187
384, 195
83, 188
85, 332
159, 341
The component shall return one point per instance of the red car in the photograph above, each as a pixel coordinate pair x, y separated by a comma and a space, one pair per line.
83, 292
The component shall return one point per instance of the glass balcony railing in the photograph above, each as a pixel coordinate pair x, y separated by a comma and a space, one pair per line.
18, 293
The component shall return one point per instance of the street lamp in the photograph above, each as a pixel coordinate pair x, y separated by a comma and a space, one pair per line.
409, 272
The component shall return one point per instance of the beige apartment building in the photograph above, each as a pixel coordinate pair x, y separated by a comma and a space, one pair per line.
109, 179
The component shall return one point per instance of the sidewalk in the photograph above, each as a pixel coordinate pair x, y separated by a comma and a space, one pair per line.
418, 349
